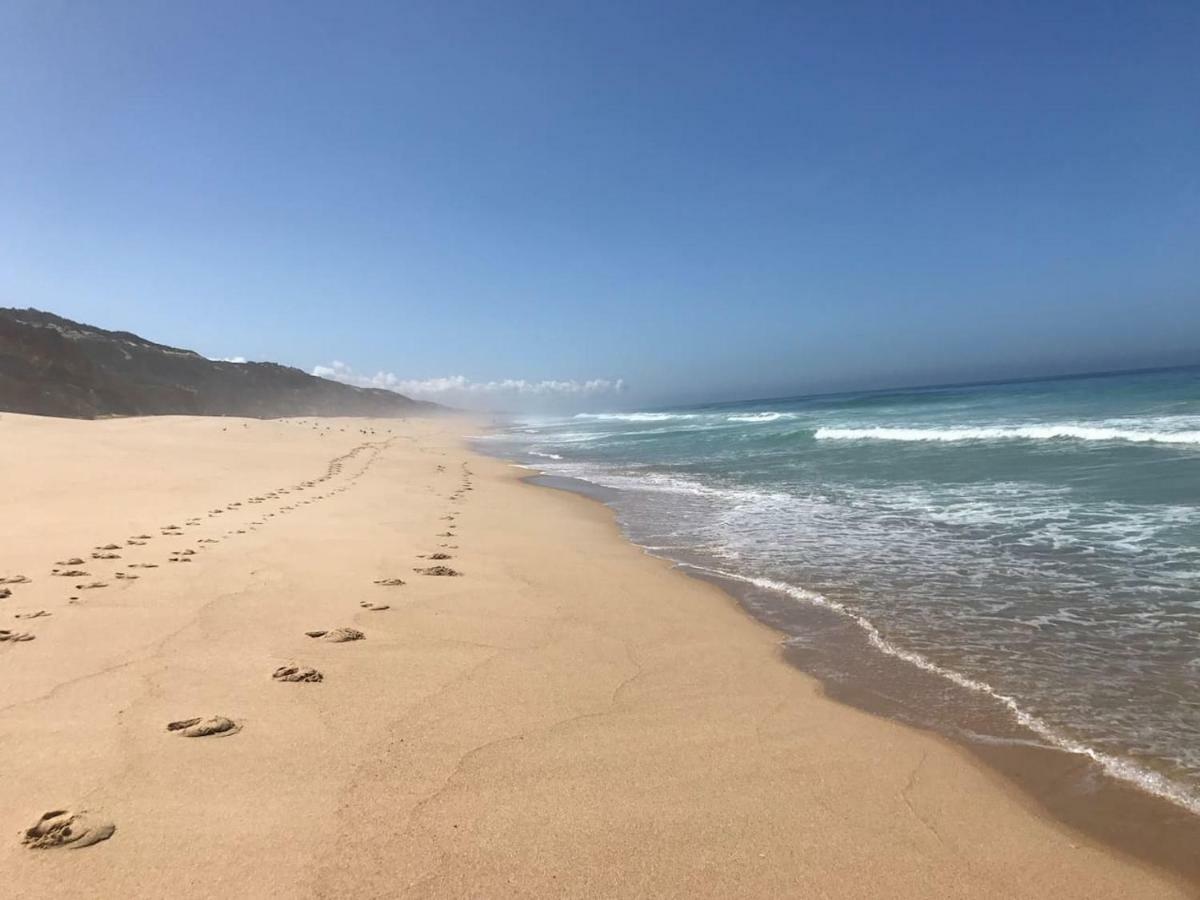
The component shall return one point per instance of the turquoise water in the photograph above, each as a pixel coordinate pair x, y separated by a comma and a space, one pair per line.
1036, 545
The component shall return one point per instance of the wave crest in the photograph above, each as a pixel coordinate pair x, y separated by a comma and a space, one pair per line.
758, 417
1009, 433
636, 416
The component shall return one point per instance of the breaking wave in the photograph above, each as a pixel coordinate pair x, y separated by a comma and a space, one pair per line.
636, 416
758, 417
1009, 433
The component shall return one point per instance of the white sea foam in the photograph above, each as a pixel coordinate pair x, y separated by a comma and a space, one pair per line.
662, 483
1046, 432
543, 455
1149, 781
637, 416
573, 437
713, 418
758, 417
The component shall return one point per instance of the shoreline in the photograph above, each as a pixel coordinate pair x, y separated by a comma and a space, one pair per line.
1068, 788
569, 717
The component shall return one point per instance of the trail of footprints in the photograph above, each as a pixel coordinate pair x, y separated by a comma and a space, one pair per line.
73, 567
62, 828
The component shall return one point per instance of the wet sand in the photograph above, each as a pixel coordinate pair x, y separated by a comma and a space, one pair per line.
542, 711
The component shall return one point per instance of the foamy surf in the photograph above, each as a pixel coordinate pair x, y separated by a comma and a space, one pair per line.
1152, 782
636, 416
1009, 433
751, 418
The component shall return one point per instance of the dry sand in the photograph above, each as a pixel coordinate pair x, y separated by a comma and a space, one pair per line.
568, 717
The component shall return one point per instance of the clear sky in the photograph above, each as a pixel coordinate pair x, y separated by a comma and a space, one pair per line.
706, 200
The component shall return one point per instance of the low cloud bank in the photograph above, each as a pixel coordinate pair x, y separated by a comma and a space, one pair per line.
461, 391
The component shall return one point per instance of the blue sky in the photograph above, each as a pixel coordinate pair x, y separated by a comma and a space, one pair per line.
706, 201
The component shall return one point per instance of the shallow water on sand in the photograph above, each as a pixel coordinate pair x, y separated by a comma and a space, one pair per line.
1028, 553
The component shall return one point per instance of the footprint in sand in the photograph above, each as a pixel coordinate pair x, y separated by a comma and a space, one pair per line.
5, 593
143, 565
297, 673
73, 561
70, 573
373, 607
133, 543
106, 556
215, 726
90, 587
14, 579
439, 556
337, 635
124, 577
14, 636
438, 570
389, 582
62, 828
32, 615
108, 547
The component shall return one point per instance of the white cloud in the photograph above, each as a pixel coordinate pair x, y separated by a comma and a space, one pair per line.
459, 390
232, 359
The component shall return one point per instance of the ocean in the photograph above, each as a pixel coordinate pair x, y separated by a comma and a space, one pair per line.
1011, 564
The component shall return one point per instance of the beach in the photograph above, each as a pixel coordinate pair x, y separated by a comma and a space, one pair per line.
546, 711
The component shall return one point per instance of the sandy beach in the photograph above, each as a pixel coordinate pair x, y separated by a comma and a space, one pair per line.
562, 716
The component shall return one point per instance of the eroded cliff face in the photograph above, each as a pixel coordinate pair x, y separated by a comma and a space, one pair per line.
52, 366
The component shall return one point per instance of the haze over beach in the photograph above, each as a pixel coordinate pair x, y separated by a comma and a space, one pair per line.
600, 450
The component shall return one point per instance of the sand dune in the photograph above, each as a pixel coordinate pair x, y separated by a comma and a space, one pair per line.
244, 672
